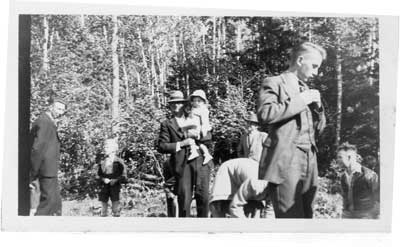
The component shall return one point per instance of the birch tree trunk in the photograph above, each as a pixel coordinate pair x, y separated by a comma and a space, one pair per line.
125, 73
105, 34
339, 96
372, 39
115, 91
214, 43
45, 66
144, 59
154, 74
82, 19
238, 36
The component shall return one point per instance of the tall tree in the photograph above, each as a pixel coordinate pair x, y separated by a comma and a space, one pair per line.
115, 81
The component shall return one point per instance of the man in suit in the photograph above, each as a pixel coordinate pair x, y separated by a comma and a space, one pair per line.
295, 116
188, 173
45, 158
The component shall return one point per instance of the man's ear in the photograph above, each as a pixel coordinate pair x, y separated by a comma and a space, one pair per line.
299, 60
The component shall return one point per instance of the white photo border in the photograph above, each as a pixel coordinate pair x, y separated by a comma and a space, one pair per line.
388, 31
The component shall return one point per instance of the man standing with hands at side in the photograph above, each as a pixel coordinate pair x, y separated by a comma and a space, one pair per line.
45, 158
296, 116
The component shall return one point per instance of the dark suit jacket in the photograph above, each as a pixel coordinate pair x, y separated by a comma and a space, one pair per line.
281, 106
45, 152
170, 134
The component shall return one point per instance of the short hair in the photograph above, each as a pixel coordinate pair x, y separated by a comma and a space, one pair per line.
347, 147
305, 47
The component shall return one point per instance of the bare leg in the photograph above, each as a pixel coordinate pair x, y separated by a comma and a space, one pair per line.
104, 209
115, 209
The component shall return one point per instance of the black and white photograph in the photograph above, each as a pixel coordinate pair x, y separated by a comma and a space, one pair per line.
255, 117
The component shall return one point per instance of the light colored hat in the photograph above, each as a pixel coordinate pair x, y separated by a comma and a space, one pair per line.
252, 117
176, 96
199, 93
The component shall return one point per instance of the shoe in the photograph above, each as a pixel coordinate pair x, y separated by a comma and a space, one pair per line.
193, 155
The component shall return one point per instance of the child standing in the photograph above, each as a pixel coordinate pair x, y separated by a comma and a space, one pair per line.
199, 126
111, 174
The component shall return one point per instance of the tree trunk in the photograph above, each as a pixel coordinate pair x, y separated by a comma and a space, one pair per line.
45, 66
51, 39
115, 63
144, 59
339, 97
309, 30
214, 43
82, 19
372, 39
105, 34
154, 73
224, 33
238, 36
125, 74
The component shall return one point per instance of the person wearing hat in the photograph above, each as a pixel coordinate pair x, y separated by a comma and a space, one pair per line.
198, 124
250, 145
189, 174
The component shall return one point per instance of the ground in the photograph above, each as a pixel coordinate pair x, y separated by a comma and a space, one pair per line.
152, 203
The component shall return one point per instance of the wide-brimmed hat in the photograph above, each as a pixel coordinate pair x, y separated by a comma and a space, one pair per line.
251, 117
176, 96
199, 93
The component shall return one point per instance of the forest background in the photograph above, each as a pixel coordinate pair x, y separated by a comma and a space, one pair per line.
115, 73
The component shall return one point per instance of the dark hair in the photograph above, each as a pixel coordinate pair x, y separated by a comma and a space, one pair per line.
347, 147
302, 48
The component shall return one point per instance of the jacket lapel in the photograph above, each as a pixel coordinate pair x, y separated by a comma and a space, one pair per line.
176, 128
53, 125
290, 84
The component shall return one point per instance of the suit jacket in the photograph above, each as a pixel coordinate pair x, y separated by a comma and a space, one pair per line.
45, 152
118, 171
281, 106
170, 134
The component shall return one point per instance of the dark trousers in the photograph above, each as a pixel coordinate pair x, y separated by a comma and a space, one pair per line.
50, 198
171, 211
196, 175
294, 197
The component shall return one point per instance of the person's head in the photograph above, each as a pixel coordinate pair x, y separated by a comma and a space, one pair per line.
252, 122
198, 98
305, 60
57, 107
346, 155
110, 146
176, 103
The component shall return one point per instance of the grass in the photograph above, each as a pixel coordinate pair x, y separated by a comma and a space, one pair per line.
152, 203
